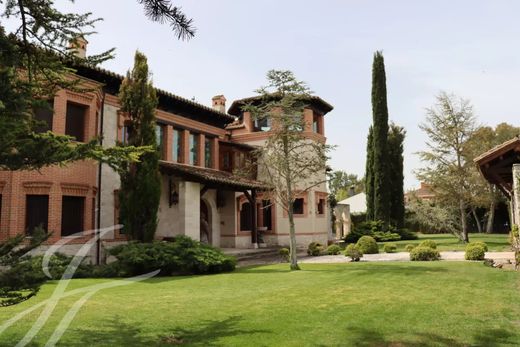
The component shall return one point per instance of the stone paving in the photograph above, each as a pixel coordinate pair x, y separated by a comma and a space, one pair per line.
403, 256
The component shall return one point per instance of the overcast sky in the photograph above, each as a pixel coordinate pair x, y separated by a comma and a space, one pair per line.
470, 48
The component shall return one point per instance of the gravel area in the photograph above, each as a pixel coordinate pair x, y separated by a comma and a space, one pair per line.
403, 256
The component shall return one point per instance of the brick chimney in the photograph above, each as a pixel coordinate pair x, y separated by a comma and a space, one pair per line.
78, 47
219, 103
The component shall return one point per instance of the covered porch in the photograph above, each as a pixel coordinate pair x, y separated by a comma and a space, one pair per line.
501, 166
201, 203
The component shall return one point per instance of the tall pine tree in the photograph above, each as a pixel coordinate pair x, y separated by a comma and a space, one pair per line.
396, 137
140, 184
380, 140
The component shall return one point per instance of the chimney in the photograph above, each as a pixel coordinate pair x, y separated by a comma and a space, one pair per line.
219, 103
78, 47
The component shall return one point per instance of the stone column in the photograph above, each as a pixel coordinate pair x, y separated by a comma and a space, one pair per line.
186, 146
189, 209
516, 194
202, 151
167, 143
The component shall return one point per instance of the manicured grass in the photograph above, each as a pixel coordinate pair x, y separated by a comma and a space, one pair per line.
448, 242
356, 304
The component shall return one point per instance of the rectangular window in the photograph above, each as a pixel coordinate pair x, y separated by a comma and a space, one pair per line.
298, 206
126, 133
321, 206
177, 146
245, 217
36, 212
317, 120
262, 124
226, 161
159, 136
75, 121
72, 215
267, 214
208, 153
194, 149
44, 115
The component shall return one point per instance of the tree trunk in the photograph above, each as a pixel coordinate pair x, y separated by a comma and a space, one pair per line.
290, 211
490, 218
477, 221
463, 222
292, 242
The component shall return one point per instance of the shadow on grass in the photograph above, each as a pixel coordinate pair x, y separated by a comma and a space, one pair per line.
361, 337
118, 333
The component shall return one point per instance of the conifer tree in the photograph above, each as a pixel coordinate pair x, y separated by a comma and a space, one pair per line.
140, 183
369, 177
396, 137
380, 140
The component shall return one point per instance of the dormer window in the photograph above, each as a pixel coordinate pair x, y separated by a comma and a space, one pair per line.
262, 124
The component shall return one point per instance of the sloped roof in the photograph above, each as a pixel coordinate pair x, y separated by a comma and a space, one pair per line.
315, 101
210, 177
357, 203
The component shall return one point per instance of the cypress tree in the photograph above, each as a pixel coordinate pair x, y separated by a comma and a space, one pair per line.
380, 139
396, 137
140, 183
369, 177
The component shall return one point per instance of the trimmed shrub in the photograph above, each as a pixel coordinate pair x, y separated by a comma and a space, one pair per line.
315, 249
390, 247
474, 251
333, 250
284, 254
428, 243
181, 256
409, 247
367, 245
421, 253
482, 243
353, 252
386, 236
407, 234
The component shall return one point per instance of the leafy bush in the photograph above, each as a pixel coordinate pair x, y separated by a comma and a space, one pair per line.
284, 253
353, 252
367, 245
409, 247
428, 243
182, 256
474, 251
406, 234
315, 249
57, 265
386, 236
481, 243
333, 250
422, 253
390, 247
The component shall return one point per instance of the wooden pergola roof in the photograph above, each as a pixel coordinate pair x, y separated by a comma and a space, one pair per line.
496, 165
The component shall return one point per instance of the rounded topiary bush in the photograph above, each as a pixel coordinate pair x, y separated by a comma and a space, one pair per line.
475, 251
353, 252
284, 254
367, 245
428, 243
333, 250
409, 247
421, 253
315, 249
390, 247
481, 243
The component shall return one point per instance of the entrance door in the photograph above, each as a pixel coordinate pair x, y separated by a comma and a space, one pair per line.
205, 225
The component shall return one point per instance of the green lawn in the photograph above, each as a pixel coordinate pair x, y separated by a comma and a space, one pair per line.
448, 242
353, 304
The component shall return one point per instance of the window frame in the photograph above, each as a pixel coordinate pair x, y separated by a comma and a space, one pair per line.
86, 108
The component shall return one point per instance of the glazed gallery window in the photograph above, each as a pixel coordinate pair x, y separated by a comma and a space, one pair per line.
75, 121
44, 116
159, 137
208, 153
321, 206
72, 215
194, 149
262, 124
298, 206
177, 146
36, 212
126, 132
